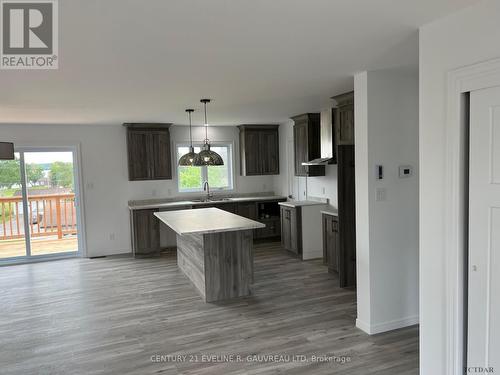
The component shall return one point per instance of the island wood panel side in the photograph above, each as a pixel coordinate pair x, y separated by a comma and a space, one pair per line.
191, 259
228, 264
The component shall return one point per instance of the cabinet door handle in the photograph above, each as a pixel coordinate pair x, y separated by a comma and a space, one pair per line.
335, 226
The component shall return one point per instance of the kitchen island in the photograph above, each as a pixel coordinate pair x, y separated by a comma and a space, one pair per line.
214, 250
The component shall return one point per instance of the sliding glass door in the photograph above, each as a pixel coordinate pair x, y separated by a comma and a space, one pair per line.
38, 214
12, 228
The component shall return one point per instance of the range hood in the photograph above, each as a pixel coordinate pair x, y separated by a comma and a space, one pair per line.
326, 135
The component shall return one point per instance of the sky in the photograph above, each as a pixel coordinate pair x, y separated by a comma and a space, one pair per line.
47, 157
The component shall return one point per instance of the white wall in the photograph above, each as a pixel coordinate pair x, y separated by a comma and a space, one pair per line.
321, 187
464, 38
106, 189
386, 113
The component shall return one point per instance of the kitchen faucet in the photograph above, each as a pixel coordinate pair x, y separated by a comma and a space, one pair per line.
206, 187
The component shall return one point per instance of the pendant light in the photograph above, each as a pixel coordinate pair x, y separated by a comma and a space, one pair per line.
187, 160
207, 156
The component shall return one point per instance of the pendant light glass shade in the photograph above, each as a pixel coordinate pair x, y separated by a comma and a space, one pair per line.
187, 160
207, 156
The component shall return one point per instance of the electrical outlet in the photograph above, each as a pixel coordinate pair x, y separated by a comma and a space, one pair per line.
381, 195
323, 190
90, 185
112, 236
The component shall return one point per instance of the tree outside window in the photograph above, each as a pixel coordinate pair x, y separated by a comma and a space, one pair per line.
190, 179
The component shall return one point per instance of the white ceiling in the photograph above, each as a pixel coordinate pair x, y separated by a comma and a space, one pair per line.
261, 61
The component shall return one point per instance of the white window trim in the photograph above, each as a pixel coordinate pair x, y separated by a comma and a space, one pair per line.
231, 171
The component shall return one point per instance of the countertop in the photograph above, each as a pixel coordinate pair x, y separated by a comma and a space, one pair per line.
330, 212
302, 203
205, 220
144, 205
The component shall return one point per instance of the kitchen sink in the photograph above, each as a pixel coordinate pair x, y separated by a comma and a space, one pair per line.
219, 199
211, 200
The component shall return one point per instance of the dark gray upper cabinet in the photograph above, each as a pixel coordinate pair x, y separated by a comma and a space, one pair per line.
259, 150
344, 119
149, 154
307, 144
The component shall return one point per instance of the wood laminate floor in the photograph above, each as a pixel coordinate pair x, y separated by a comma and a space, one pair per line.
121, 315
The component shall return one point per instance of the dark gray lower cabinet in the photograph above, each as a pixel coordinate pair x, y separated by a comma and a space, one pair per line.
145, 226
272, 229
248, 210
229, 207
331, 242
291, 229
145, 233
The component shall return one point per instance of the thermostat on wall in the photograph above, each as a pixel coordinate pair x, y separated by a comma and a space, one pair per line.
405, 171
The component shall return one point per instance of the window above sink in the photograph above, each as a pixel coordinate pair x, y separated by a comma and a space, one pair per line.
220, 178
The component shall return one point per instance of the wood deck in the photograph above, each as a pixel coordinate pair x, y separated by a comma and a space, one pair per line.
39, 246
120, 315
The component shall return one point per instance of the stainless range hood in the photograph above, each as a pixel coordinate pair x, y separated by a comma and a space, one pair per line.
327, 144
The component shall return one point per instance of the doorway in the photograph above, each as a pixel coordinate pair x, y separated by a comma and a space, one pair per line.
461, 83
483, 271
39, 205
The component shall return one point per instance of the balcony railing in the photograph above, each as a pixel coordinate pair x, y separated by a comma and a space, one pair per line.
49, 215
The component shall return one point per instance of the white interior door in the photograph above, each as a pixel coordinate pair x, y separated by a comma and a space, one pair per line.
483, 343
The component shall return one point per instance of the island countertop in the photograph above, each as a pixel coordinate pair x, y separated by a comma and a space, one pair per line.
205, 220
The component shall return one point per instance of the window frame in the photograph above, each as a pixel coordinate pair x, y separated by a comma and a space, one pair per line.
204, 169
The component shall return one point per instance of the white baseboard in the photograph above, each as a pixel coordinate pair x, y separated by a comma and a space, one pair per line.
312, 255
365, 327
107, 252
373, 329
